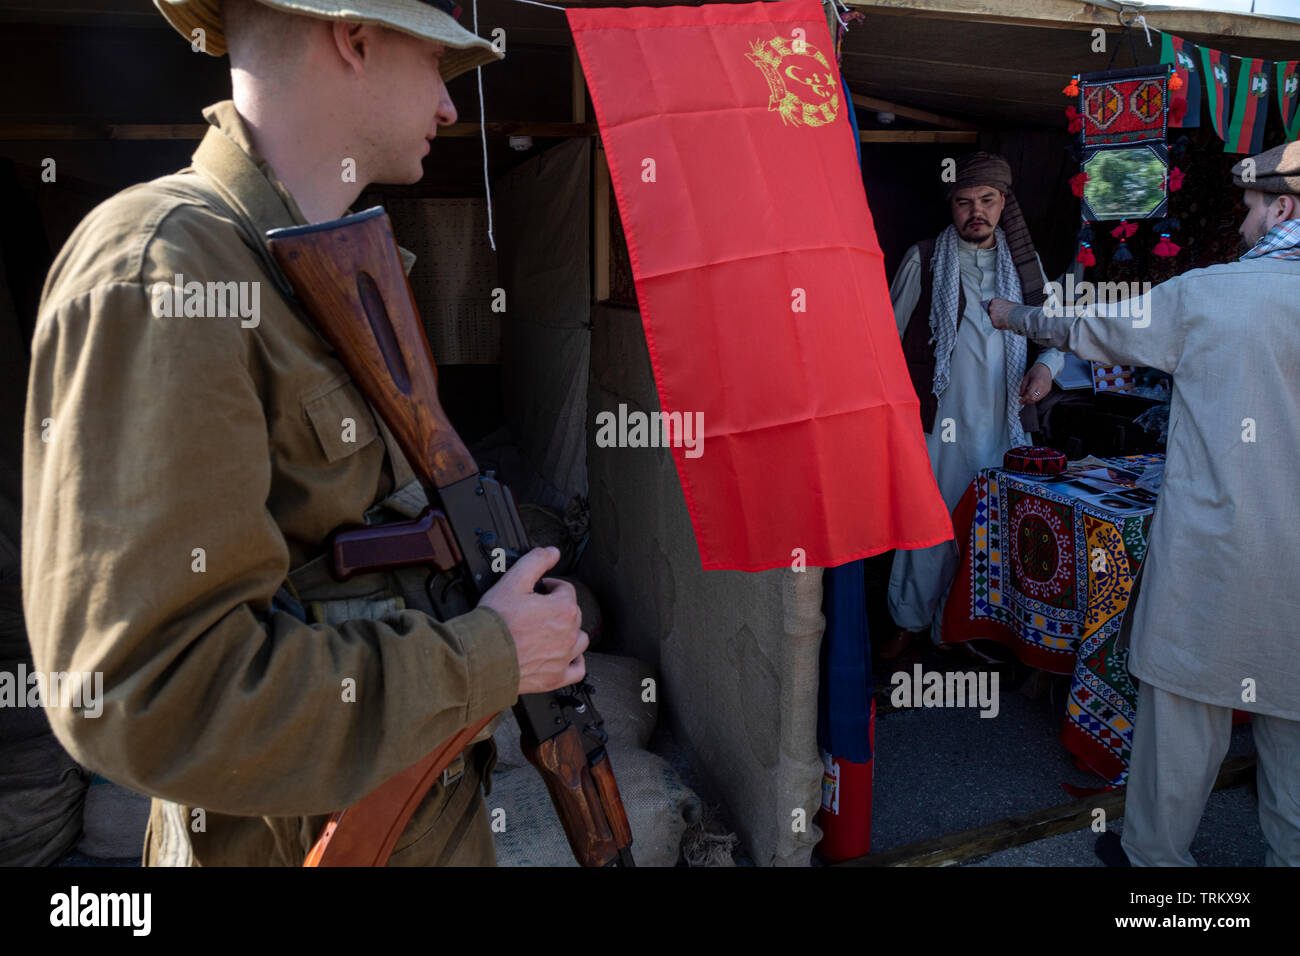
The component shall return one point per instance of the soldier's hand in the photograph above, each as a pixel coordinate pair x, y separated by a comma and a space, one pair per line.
546, 627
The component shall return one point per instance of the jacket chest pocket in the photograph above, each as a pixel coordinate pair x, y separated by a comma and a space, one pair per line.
340, 417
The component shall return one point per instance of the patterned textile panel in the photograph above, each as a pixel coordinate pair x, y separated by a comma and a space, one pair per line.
1050, 575
1123, 111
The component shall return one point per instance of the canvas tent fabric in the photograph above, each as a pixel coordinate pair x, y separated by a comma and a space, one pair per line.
736, 654
737, 651
542, 214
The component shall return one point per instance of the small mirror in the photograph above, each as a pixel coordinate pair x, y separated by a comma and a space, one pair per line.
1124, 183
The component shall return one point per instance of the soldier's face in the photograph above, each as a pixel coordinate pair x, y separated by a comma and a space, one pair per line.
412, 105
976, 211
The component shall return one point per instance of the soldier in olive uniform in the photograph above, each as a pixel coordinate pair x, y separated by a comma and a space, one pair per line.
183, 470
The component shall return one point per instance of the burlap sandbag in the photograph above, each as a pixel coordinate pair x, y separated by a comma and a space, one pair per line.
659, 809
621, 697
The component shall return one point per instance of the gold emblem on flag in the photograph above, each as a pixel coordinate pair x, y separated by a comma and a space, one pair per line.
802, 84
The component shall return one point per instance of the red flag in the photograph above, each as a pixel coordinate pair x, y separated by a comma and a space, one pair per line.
760, 280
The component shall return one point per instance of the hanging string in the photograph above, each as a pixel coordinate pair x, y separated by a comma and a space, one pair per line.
482, 128
536, 4
1145, 29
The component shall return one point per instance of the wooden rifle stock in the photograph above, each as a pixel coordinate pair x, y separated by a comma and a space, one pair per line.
349, 276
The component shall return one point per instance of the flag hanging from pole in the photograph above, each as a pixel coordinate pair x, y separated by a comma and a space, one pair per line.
1214, 65
1182, 55
1245, 132
760, 281
1288, 96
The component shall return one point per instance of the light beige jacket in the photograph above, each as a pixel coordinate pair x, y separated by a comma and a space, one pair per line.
1217, 614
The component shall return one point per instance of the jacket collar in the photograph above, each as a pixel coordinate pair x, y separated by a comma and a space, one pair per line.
248, 184
245, 179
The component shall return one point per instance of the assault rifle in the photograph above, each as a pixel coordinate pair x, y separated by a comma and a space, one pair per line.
348, 275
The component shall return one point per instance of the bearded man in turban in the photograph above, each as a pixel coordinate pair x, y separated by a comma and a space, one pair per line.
973, 380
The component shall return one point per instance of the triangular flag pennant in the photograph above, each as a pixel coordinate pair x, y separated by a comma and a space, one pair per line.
1182, 55
1288, 96
1245, 132
1214, 65
761, 282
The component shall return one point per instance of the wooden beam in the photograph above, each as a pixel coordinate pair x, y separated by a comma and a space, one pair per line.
523, 128
195, 131
81, 131
917, 136
579, 90
1084, 15
600, 231
980, 841
909, 112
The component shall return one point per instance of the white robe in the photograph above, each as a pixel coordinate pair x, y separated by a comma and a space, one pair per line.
1216, 616
972, 416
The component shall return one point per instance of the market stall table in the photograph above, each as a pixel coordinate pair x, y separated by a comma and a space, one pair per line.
1047, 565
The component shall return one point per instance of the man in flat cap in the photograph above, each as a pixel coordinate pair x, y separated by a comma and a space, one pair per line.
1212, 623
182, 472
973, 381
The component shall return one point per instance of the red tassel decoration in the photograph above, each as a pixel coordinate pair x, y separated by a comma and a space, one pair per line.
1076, 183
1124, 229
1166, 248
1072, 89
1177, 110
1175, 82
1175, 179
1085, 255
1076, 121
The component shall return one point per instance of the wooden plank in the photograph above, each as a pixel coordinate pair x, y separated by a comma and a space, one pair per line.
523, 128
1085, 15
124, 12
917, 136
983, 109
600, 230
980, 841
39, 132
909, 112
579, 90
98, 131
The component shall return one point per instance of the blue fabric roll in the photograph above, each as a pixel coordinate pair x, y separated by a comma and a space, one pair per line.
844, 694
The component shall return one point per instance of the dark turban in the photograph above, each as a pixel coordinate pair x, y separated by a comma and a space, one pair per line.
986, 169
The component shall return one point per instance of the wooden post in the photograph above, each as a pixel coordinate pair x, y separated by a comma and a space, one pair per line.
600, 236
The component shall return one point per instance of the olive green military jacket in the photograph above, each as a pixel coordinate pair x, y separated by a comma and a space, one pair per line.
177, 466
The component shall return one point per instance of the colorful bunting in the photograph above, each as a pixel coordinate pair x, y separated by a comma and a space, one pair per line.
1245, 132
1214, 64
1288, 96
1185, 101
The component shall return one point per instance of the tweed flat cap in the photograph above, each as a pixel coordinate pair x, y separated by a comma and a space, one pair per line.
1276, 170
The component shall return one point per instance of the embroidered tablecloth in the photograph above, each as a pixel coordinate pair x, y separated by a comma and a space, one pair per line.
1047, 565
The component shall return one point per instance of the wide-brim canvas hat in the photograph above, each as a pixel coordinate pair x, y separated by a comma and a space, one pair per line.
429, 19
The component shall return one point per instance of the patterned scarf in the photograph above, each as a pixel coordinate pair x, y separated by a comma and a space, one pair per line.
1280, 242
943, 321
